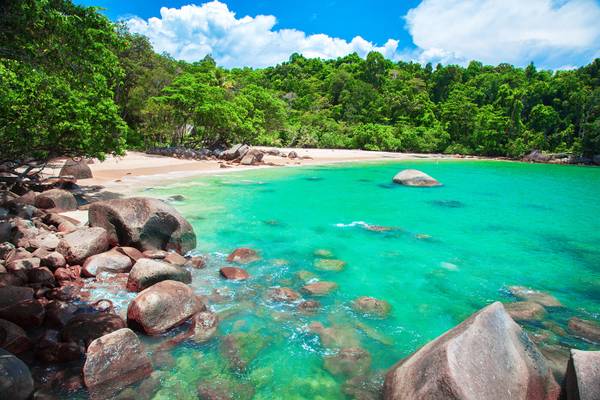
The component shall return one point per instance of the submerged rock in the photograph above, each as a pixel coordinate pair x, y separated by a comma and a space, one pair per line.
16, 382
525, 311
78, 245
234, 274
329, 264
323, 253
309, 306
115, 360
241, 348
582, 380
243, 255
320, 288
163, 306
147, 272
143, 223
348, 362
372, 306
335, 337
204, 326
543, 298
413, 177
487, 356
282, 295
589, 330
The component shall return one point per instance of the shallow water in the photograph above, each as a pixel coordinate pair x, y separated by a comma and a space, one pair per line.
453, 250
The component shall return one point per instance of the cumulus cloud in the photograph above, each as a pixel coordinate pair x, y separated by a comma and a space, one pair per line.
549, 32
191, 32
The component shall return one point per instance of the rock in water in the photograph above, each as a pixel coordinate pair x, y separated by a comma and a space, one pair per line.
143, 223
114, 361
204, 326
372, 306
582, 381
83, 243
146, 272
413, 177
13, 338
16, 382
243, 255
77, 169
234, 274
84, 328
56, 199
163, 306
525, 311
589, 330
109, 261
320, 288
487, 356
348, 362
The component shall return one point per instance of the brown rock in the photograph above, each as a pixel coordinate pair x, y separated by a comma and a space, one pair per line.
163, 306
309, 306
348, 362
543, 298
175, 259
84, 328
243, 255
589, 330
53, 260
27, 314
41, 276
14, 294
197, 262
77, 246
146, 272
525, 311
130, 252
233, 273
329, 264
155, 254
78, 169
110, 261
16, 382
372, 306
13, 338
115, 360
488, 356
59, 313
143, 223
49, 349
56, 199
23, 264
204, 326
282, 295
582, 381
320, 288
68, 274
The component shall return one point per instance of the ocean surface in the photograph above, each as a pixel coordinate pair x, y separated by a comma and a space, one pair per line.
436, 255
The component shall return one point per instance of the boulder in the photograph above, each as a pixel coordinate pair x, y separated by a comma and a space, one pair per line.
163, 306
130, 252
78, 245
59, 313
155, 254
13, 338
84, 328
175, 259
67, 274
413, 177
197, 262
527, 294
589, 330
10, 295
146, 272
53, 260
372, 306
23, 264
16, 382
292, 154
143, 223
309, 306
582, 380
41, 276
27, 314
525, 311
282, 295
47, 241
252, 157
243, 255
56, 199
239, 349
488, 356
114, 361
324, 264
234, 152
204, 326
50, 349
234, 274
78, 169
348, 362
320, 288
109, 261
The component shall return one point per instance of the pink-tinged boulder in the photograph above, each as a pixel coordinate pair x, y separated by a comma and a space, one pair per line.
282, 295
320, 288
143, 223
23, 264
243, 255
16, 382
204, 326
197, 262
84, 328
175, 259
413, 177
78, 245
582, 381
146, 272
27, 314
130, 252
78, 169
487, 356
67, 274
13, 338
110, 261
10, 295
56, 199
525, 311
589, 330
155, 254
372, 306
114, 361
53, 260
234, 274
163, 306
47, 241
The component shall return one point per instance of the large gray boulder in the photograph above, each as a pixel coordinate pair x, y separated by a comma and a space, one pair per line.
413, 177
56, 199
582, 381
234, 152
146, 272
83, 243
110, 261
16, 382
143, 223
488, 356
76, 168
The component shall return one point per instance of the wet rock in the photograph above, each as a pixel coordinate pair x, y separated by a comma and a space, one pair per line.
53, 260
77, 246
56, 199
69, 291
175, 259
114, 361
143, 223
233, 273
67, 274
323, 253
27, 314
155, 254
23, 264
110, 261
557, 358
41, 276
221, 388
47, 241
163, 306
282, 295
241, 348
78, 169
583, 376
51, 350
5, 249
197, 262
59, 313
84, 328
413, 177
146, 272
348, 362
452, 366
309, 306
10, 295
525, 311
329, 265
243, 255
204, 326
16, 382
372, 306
320, 288
543, 298
306, 276
130, 252
13, 338
589, 330
335, 337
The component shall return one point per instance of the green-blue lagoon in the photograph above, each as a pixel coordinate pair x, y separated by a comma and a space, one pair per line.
436, 255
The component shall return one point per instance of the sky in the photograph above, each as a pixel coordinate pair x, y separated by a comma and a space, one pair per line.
554, 34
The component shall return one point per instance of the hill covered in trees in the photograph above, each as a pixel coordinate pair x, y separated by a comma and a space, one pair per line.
72, 82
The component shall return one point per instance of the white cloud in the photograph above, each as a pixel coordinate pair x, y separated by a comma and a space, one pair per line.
192, 31
551, 33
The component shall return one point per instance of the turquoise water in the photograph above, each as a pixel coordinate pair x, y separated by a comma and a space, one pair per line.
454, 249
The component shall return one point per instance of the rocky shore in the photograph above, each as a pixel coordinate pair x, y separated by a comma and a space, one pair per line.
54, 338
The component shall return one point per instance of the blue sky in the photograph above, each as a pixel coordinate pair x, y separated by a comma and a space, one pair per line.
556, 34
